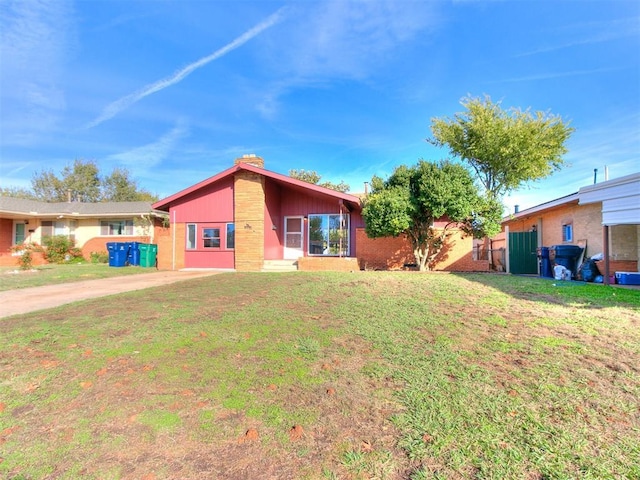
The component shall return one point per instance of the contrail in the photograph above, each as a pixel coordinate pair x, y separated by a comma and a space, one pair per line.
125, 102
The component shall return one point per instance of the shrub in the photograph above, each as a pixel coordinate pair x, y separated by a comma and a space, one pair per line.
61, 249
99, 257
25, 253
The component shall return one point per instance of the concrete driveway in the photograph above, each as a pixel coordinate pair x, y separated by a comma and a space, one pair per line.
26, 300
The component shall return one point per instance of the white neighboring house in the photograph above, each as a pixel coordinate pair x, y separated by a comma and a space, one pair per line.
90, 225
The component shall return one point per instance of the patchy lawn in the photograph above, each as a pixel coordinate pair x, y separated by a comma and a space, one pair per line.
325, 375
12, 278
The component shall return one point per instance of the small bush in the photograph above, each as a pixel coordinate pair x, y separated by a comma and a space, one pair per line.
25, 253
61, 249
99, 257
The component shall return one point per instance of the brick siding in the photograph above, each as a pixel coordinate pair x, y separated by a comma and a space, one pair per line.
249, 198
332, 264
396, 253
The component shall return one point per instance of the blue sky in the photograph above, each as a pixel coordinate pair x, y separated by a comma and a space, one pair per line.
174, 91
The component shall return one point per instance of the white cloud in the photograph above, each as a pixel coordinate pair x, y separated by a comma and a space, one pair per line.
36, 37
140, 160
125, 102
341, 39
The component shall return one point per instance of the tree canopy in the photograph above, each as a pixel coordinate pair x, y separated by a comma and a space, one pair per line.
311, 176
505, 148
82, 181
413, 198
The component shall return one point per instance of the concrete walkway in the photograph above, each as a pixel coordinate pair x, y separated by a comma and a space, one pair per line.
26, 300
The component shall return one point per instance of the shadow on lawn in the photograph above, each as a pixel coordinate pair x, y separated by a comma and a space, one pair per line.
568, 293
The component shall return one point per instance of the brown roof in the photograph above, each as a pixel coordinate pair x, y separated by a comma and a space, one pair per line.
34, 208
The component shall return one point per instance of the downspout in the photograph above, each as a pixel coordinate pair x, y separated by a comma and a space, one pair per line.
173, 247
605, 241
506, 253
341, 230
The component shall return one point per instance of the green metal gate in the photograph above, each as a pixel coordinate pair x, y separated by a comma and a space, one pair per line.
523, 253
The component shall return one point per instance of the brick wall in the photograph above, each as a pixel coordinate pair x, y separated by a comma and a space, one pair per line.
388, 253
8, 260
624, 243
164, 239
6, 235
393, 253
586, 221
99, 244
332, 264
249, 198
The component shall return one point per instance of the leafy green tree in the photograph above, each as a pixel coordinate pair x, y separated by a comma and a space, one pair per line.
505, 148
82, 181
311, 176
119, 187
413, 198
16, 192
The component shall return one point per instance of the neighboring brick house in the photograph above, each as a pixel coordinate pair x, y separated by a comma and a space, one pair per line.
602, 218
90, 225
247, 218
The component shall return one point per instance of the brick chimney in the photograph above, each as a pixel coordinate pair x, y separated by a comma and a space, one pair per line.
251, 159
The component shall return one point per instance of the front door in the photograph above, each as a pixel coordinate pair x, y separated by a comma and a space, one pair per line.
293, 237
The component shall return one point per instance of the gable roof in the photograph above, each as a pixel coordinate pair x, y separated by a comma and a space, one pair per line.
12, 207
352, 201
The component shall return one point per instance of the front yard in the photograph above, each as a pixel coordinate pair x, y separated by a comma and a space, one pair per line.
325, 376
12, 277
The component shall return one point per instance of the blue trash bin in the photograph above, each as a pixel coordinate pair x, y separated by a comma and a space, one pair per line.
565, 255
134, 253
545, 262
118, 254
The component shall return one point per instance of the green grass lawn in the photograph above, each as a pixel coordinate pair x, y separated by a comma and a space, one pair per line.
324, 376
12, 278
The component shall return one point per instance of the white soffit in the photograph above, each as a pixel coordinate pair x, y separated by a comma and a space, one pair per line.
620, 199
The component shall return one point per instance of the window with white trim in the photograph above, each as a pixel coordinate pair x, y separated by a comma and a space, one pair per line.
191, 236
116, 227
567, 232
231, 236
211, 238
329, 234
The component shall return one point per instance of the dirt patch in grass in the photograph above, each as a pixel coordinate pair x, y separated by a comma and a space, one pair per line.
322, 376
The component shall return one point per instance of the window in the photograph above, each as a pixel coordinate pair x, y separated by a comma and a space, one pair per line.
73, 224
231, 236
567, 232
116, 227
191, 236
211, 237
50, 228
329, 234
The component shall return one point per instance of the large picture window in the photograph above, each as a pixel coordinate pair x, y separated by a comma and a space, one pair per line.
329, 235
116, 227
